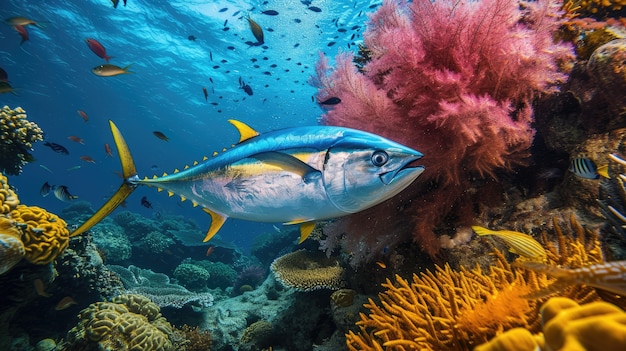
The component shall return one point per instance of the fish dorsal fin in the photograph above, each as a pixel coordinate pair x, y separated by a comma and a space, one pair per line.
245, 131
288, 163
217, 220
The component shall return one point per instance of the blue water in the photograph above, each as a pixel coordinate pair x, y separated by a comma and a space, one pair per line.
52, 76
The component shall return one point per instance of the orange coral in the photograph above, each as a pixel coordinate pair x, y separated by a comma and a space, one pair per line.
450, 310
44, 234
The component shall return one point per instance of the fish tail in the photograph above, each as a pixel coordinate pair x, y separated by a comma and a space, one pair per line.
126, 71
128, 186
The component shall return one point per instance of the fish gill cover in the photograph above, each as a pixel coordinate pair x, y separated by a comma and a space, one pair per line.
174, 49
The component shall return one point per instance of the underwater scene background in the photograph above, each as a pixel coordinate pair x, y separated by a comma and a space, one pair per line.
518, 108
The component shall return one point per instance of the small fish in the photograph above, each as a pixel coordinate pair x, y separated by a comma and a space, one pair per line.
21, 30
257, 31
145, 203
40, 288
87, 159
115, 3
61, 193
76, 139
57, 148
245, 87
22, 21
98, 49
315, 9
206, 94
108, 70
83, 115
519, 243
107, 150
4, 76
64, 303
381, 264
73, 168
585, 168
45, 189
160, 135
331, 101
209, 251
6, 88
609, 276
191, 38
46, 168
270, 12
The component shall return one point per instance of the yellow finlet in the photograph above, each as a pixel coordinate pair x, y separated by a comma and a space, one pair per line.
195, 163
214, 153
204, 158
182, 198
164, 174
154, 176
186, 167
195, 204
170, 194
217, 220
245, 131
305, 230
224, 149
176, 170
159, 189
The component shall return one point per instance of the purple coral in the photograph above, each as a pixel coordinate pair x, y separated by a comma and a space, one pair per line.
453, 79
251, 275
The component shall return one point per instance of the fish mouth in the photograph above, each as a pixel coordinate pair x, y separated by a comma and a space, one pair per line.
408, 170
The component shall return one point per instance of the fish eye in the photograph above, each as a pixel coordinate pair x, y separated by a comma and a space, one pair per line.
379, 158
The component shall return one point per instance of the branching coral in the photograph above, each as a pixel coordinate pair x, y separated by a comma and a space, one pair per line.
128, 322
305, 271
450, 310
17, 135
454, 80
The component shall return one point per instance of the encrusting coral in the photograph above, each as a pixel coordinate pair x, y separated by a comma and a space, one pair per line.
454, 80
43, 235
566, 325
305, 271
17, 135
128, 322
456, 310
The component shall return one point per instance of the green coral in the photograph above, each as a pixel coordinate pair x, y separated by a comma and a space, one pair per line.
191, 276
129, 322
17, 135
222, 275
156, 242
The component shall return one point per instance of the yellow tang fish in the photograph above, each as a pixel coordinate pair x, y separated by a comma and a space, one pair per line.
519, 243
609, 276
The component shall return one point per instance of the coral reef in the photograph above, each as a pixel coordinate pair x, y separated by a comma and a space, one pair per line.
454, 310
307, 271
128, 322
11, 247
607, 67
157, 287
455, 80
17, 135
8, 198
257, 336
566, 325
44, 234
191, 276
112, 241
248, 279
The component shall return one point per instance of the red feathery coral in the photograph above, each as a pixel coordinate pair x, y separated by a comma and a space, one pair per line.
454, 79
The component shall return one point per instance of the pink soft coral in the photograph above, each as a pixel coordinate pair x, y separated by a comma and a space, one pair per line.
453, 79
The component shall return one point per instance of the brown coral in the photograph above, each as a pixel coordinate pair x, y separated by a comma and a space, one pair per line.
450, 310
8, 198
305, 271
44, 234
128, 322
17, 134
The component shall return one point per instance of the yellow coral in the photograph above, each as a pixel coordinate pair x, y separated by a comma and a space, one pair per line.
305, 271
44, 234
596, 326
450, 310
8, 199
129, 322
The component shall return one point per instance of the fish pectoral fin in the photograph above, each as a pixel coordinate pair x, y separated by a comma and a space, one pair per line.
289, 164
306, 227
603, 171
245, 131
217, 220
483, 231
